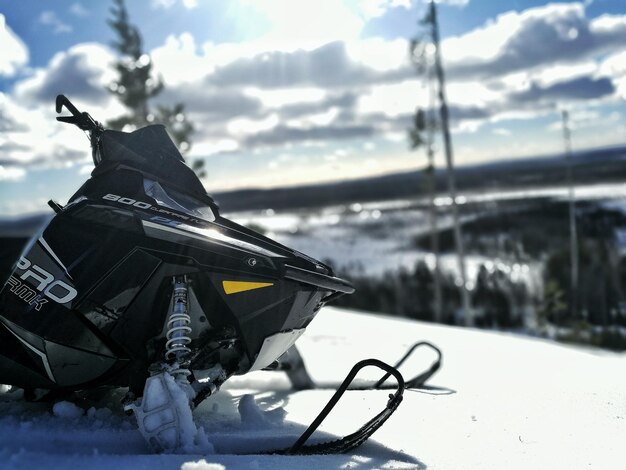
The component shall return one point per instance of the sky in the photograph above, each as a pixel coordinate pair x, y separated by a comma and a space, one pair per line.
289, 92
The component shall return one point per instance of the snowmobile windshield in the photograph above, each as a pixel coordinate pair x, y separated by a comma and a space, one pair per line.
177, 201
151, 151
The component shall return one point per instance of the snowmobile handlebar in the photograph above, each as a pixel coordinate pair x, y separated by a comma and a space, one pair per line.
83, 121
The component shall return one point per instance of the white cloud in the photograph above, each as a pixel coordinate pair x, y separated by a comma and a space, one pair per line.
279, 98
379, 54
82, 72
34, 139
85, 170
558, 73
608, 24
472, 93
209, 147
167, 4
458, 3
21, 207
614, 66
469, 126
394, 99
178, 60
14, 52
482, 44
376, 8
245, 126
548, 35
369, 146
11, 173
77, 9
307, 23
312, 120
51, 19
163, 3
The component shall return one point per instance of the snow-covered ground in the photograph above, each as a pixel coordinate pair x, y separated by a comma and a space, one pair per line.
502, 401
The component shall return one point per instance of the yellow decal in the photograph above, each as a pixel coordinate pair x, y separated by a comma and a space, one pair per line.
232, 287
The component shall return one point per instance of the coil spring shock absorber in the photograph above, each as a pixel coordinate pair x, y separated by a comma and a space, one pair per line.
178, 330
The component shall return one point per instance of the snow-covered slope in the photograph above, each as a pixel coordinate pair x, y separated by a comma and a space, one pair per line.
502, 402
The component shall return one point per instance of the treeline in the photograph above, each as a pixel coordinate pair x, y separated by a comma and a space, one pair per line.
497, 300
594, 314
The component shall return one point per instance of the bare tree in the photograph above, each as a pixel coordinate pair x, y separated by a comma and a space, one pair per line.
423, 51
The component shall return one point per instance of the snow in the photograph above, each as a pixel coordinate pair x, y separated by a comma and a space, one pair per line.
166, 419
67, 410
499, 401
253, 417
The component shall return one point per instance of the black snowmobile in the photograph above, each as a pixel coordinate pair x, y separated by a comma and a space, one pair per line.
139, 282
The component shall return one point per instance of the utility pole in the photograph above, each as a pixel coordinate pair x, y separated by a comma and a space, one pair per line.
432, 189
447, 141
573, 236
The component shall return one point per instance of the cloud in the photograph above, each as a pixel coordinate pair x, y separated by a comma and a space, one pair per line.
8, 147
11, 173
167, 4
345, 101
502, 131
377, 8
583, 88
461, 113
243, 97
178, 59
213, 103
306, 23
615, 66
77, 9
327, 66
14, 52
50, 18
284, 134
534, 100
82, 72
32, 138
8, 123
554, 33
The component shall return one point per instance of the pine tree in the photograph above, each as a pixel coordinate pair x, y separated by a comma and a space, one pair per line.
136, 85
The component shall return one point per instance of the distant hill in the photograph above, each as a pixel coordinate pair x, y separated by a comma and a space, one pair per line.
597, 165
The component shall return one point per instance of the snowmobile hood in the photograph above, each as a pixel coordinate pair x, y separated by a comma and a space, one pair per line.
151, 151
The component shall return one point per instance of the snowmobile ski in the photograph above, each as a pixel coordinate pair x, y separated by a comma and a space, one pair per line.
355, 439
293, 364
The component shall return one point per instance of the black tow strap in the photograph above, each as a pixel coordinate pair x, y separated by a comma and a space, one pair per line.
358, 437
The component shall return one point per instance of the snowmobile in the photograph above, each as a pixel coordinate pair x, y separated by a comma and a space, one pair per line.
139, 282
